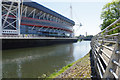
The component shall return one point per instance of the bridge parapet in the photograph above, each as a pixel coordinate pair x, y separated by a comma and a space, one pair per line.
106, 51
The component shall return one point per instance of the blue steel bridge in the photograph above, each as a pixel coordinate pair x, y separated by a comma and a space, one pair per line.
32, 19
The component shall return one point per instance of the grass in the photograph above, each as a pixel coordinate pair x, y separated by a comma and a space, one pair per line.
55, 74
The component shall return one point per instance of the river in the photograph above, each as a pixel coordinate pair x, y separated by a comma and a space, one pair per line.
33, 62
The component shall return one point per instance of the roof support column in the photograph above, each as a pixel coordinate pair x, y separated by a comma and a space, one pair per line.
0, 17
19, 17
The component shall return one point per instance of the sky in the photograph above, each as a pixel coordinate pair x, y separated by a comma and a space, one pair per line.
86, 12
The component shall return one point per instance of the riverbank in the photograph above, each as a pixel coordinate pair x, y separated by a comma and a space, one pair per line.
78, 69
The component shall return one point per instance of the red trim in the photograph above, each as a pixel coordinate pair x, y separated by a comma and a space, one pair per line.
10, 16
44, 20
44, 26
40, 25
38, 19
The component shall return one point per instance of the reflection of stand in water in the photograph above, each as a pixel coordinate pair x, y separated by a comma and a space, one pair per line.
71, 49
19, 73
70, 53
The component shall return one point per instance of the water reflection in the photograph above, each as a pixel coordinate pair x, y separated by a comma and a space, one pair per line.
33, 62
81, 49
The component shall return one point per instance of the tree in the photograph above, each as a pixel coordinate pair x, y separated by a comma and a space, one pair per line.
110, 13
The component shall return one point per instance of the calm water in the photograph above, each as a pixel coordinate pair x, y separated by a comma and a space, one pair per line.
33, 62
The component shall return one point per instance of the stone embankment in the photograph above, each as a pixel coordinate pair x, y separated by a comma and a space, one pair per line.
81, 69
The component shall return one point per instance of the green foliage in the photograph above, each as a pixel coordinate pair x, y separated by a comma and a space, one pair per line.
110, 13
107, 23
55, 74
114, 31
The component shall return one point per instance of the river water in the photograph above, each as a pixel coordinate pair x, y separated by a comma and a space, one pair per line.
33, 62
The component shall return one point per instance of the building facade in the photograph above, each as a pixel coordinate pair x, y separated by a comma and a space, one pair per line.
35, 20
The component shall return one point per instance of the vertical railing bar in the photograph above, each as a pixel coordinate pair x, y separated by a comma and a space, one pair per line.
105, 54
101, 65
99, 71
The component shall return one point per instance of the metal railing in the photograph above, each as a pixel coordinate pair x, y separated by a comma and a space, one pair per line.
106, 51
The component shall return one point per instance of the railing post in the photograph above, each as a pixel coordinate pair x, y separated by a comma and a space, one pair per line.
95, 59
111, 66
118, 42
100, 52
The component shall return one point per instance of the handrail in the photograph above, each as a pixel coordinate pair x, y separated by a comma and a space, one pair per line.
113, 29
107, 47
117, 21
107, 65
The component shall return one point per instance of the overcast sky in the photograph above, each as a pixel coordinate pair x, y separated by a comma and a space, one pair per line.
86, 12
